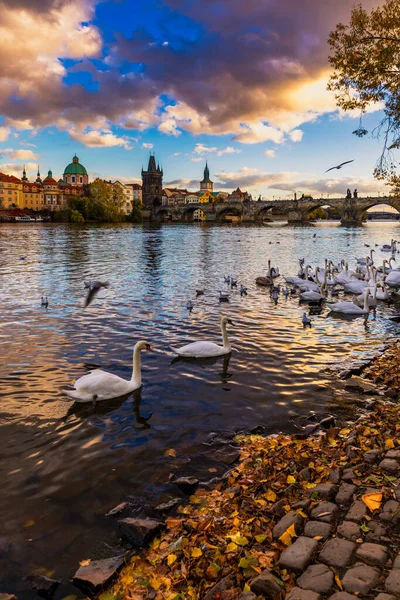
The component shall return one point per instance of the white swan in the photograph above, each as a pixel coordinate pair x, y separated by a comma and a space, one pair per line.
272, 272
350, 308
366, 261
100, 385
355, 286
393, 279
372, 299
205, 349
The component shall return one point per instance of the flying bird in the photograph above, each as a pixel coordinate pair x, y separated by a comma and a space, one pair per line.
340, 166
94, 287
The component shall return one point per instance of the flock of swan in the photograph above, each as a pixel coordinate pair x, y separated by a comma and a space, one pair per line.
367, 283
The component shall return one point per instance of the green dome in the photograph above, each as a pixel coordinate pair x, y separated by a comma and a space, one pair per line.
75, 168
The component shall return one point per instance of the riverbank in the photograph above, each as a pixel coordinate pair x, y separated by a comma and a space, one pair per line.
324, 501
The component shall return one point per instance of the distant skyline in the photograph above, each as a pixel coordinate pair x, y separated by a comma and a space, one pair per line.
240, 84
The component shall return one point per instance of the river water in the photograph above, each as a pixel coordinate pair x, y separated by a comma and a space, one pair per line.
61, 467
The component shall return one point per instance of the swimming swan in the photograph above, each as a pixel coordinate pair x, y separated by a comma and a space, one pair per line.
204, 349
350, 308
100, 385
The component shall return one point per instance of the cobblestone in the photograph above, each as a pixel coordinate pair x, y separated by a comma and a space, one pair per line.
317, 529
396, 563
266, 585
392, 583
349, 530
325, 511
342, 596
318, 578
391, 511
378, 531
383, 596
374, 554
360, 579
372, 456
345, 494
393, 454
299, 594
337, 552
298, 556
291, 518
357, 512
389, 465
327, 491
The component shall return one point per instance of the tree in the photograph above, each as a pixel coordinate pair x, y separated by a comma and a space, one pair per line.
366, 61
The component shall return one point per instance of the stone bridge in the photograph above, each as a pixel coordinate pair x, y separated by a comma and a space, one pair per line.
350, 211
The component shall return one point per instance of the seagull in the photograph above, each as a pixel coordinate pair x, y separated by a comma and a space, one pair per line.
44, 302
93, 287
275, 296
233, 282
340, 166
22, 257
227, 279
243, 290
286, 292
189, 305
223, 296
306, 321
199, 292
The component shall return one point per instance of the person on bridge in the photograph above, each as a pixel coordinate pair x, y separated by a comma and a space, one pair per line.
355, 194
348, 194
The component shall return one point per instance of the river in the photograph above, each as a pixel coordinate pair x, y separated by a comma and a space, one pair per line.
62, 468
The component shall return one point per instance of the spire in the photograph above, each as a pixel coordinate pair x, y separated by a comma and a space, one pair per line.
75, 160
24, 177
152, 164
50, 173
206, 172
38, 179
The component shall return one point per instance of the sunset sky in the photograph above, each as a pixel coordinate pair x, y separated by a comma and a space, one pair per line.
241, 83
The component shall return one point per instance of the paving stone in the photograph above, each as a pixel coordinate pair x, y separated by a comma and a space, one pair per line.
374, 554
303, 504
299, 594
360, 579
97, 574
397, 492
372, 456
291, 518
44, 586
305, 474
392, 583
391, 511
318, 578
187, 484
393, 454
325, 511
335, 475
396, 564
345, 494
383, 596
219, 588
336, 552
342, 596
357, 512
139, 531
378, 531
348, 475
349, 530
277, 508
299, 555
247, 596
317, 529
266, 585
352, 452
327, 491
389, 465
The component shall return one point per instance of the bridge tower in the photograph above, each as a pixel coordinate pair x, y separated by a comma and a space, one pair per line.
206, 183
152, 184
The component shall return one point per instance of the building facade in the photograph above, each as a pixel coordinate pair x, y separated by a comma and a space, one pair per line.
75, 173
152, 190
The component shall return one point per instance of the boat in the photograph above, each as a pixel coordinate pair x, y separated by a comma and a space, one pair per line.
28, 219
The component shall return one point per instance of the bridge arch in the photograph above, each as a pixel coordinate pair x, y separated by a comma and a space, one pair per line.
368, 204
164, 215
226, 213
189, 213
265, 213
336, 207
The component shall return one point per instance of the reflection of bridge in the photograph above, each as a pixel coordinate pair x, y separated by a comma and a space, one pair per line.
351, 211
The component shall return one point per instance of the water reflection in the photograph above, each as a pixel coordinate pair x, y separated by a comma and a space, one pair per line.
63, 466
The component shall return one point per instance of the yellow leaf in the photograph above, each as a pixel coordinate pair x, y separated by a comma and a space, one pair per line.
290, 479
373, 501
389, 444
286, 538
170, 452
171, 559
196, 552
29, 523
236, 522
232, 547
270, 496
338, 582
85, 562
291, 531
302, 513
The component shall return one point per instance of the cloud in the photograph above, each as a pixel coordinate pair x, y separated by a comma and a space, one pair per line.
23, 143
333, 186
270, 153
24, 155
16, 169
147, 145
98, 139
296, 135
196, 159
228, 150
201, 149
4, 133
259, 132
177, 153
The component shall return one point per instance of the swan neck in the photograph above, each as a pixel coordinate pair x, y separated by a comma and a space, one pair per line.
225, 335
375, 290
136, 372
366, 300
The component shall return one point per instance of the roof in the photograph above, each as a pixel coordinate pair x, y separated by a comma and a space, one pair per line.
134, 186
9, 178
75, 168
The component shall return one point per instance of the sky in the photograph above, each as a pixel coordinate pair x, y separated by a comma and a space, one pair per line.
239, 84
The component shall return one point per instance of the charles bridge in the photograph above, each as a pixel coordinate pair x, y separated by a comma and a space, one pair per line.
350, 211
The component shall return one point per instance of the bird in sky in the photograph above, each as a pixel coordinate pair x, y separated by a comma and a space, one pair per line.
94, 287
340, 166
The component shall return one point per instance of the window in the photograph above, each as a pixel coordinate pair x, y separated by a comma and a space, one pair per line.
10, 191
81, 179
73, 179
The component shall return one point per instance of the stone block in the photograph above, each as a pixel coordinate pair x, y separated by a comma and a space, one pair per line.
325, 511
357, 512
391, 511
327, 491
187, 484
44, 586
345, 494
266, 585
97, 574
337, 552
378, 531
361, 579
390, 465
373, 554
349, 530
318, 529
299, 594
139, 531
393, 454
348, 475
219, 588
335, 475
342, 596
247, 596
396, 563
318, 578
372, 456
7, 596
298, 556
291, 518
303, 504
383, 596
392, 583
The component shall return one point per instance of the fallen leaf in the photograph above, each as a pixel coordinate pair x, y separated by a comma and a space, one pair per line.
338, 582
196, 553
270, 496
373, 501
212, 470
389, 444
232, 547
171, 559
170, 452
85, 562
290, 479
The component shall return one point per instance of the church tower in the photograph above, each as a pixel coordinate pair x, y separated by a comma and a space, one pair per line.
152, 184
206, 184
